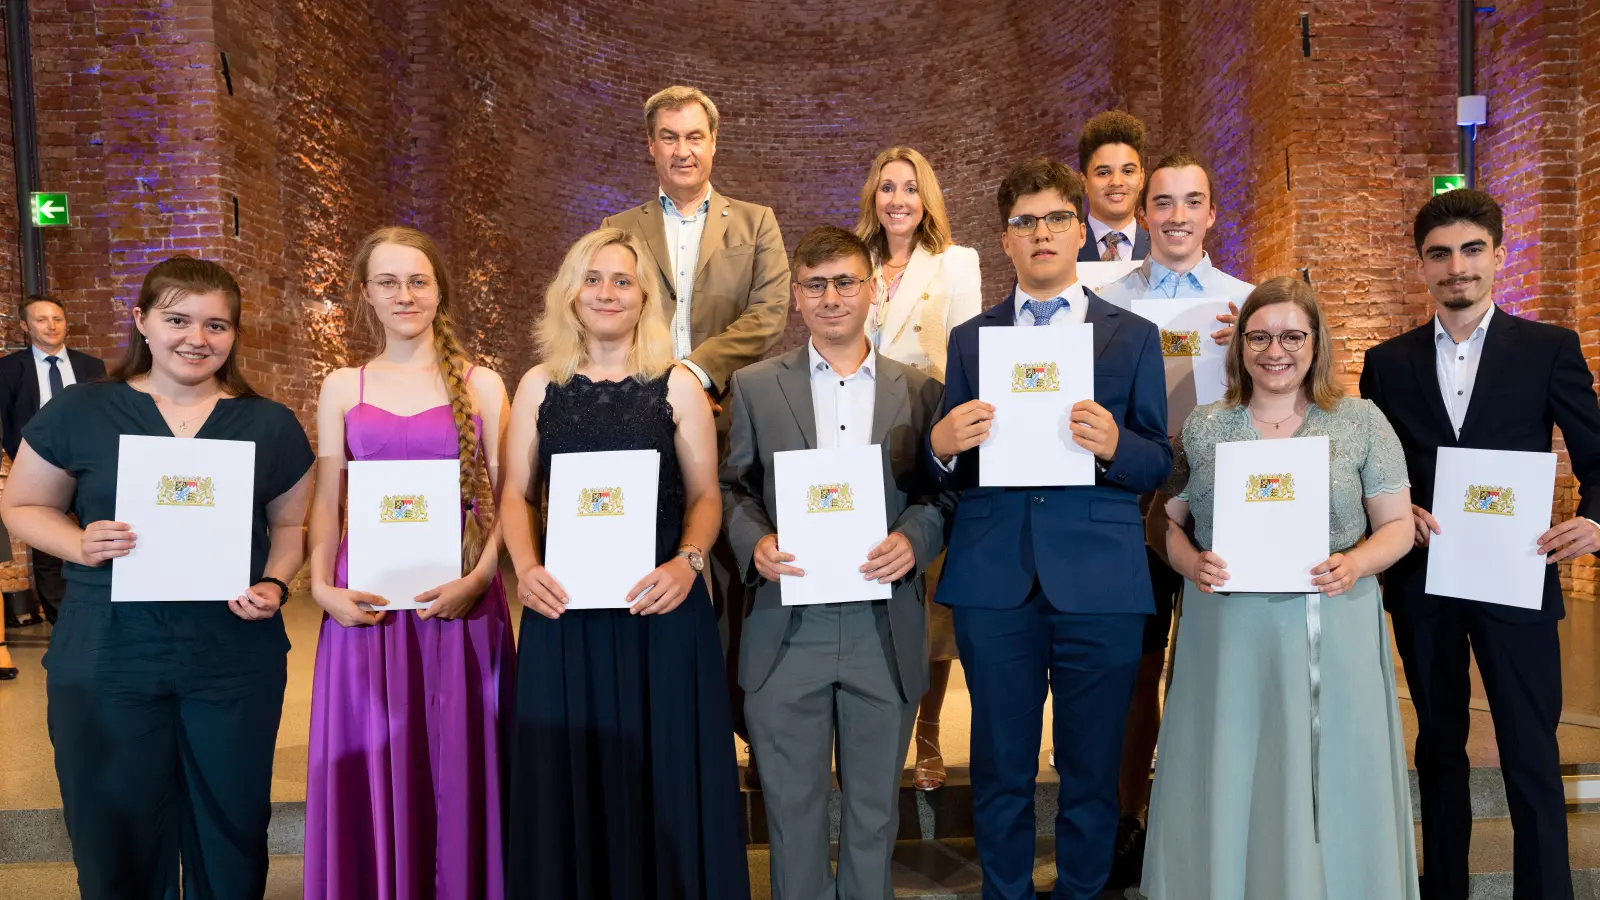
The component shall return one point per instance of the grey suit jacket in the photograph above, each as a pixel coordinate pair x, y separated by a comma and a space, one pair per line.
772, 411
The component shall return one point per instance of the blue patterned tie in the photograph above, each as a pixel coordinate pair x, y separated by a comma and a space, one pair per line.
1043, 309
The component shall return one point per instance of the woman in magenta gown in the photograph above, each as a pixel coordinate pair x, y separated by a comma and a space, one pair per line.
405, 788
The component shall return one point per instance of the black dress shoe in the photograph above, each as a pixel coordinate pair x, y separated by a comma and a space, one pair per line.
1127, 863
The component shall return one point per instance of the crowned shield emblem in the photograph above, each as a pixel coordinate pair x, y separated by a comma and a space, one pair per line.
184, 490
1270, 487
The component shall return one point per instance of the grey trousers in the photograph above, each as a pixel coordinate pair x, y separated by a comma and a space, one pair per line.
834, 675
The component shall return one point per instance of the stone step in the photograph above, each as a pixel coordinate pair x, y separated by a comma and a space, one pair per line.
40, 835
942, 869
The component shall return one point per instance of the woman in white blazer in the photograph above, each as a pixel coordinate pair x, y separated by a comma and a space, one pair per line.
925, 286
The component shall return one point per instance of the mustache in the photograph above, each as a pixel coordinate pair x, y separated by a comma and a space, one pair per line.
1452, 282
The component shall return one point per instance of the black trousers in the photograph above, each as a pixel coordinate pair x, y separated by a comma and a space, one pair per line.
164, 727
48, 585
1521, 668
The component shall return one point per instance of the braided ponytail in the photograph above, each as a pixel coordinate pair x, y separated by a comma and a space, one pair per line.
453, 366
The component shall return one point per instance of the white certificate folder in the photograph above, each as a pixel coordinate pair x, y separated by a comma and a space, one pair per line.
831, 514
1196, 365
404, 527
602, 534
1491, 506
1033, 376
1271, 513
189, 503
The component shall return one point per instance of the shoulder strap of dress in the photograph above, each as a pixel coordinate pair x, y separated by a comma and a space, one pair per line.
361, 392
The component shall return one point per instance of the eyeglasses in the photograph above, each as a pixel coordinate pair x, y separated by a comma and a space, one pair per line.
846, 285
1058, 221
1259, 341
387, 287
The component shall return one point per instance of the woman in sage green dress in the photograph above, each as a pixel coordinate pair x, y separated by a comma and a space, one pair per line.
1282, 773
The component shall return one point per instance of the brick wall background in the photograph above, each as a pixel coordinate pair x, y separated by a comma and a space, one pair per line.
507, 128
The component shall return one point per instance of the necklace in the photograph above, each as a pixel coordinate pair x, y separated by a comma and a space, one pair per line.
1277, 424
890, 265
183, 425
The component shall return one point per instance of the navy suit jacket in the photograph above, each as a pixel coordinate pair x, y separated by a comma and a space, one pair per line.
19, 390
1087, 542
1090, 251
1531, 376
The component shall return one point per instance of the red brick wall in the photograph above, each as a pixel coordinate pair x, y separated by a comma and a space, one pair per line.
508, 128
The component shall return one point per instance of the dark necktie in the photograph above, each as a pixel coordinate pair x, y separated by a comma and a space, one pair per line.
56, 387
1111, 240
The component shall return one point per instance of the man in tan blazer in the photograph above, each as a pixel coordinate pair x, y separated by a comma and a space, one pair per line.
723, 260
727, 278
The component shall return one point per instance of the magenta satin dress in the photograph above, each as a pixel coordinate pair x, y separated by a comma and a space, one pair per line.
405, 789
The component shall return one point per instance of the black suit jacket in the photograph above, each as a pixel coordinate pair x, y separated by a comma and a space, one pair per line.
19, 390
1531, 376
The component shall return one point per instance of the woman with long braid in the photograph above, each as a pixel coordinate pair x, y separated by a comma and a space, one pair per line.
403, 798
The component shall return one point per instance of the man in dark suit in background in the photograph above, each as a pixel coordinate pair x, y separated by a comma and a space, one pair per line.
1476, 377
29, 379
1111, 159
1050, 585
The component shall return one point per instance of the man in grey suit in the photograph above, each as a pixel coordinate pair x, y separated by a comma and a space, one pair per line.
861, 666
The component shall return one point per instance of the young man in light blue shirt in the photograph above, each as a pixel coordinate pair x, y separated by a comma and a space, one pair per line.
1178, 208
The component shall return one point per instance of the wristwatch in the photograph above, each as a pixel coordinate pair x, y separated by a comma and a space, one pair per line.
697, 560
283, 600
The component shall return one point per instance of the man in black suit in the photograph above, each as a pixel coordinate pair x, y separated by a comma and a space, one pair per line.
29, 379
1476, 377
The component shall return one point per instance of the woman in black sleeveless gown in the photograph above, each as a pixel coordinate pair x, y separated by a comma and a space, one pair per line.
623, 780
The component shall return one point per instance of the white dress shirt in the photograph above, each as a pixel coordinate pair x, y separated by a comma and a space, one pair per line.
41, 365
1098, 231
1076, 310
683, 248
1457, 367
843, 404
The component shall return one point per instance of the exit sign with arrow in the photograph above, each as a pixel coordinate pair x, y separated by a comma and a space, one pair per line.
49, 210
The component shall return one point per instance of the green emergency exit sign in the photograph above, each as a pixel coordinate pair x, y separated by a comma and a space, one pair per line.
1443, 183
49, 210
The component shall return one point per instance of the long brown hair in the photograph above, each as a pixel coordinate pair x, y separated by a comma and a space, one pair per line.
933, 232
166, 283
1320, 386
453, 367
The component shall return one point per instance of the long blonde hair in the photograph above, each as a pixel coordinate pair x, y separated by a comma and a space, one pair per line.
560, 335
454, 365
933, 232
1320, 385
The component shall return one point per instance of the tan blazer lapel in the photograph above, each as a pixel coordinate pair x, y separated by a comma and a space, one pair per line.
912, 297
655, 237
711, 239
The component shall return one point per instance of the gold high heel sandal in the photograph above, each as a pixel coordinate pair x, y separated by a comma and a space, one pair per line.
929, 774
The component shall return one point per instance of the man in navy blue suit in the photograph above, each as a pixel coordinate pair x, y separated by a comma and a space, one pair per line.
1050, 585
1111, 158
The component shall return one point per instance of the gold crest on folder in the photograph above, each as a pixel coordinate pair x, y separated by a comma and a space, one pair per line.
1034, 377
1180, 343
1494, 501
1263, 488
829, 498
404, 508
606, 501
183, 490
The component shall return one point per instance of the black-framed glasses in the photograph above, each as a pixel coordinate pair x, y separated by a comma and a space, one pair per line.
846, 285
387, 287
1291, 341
1058, 221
